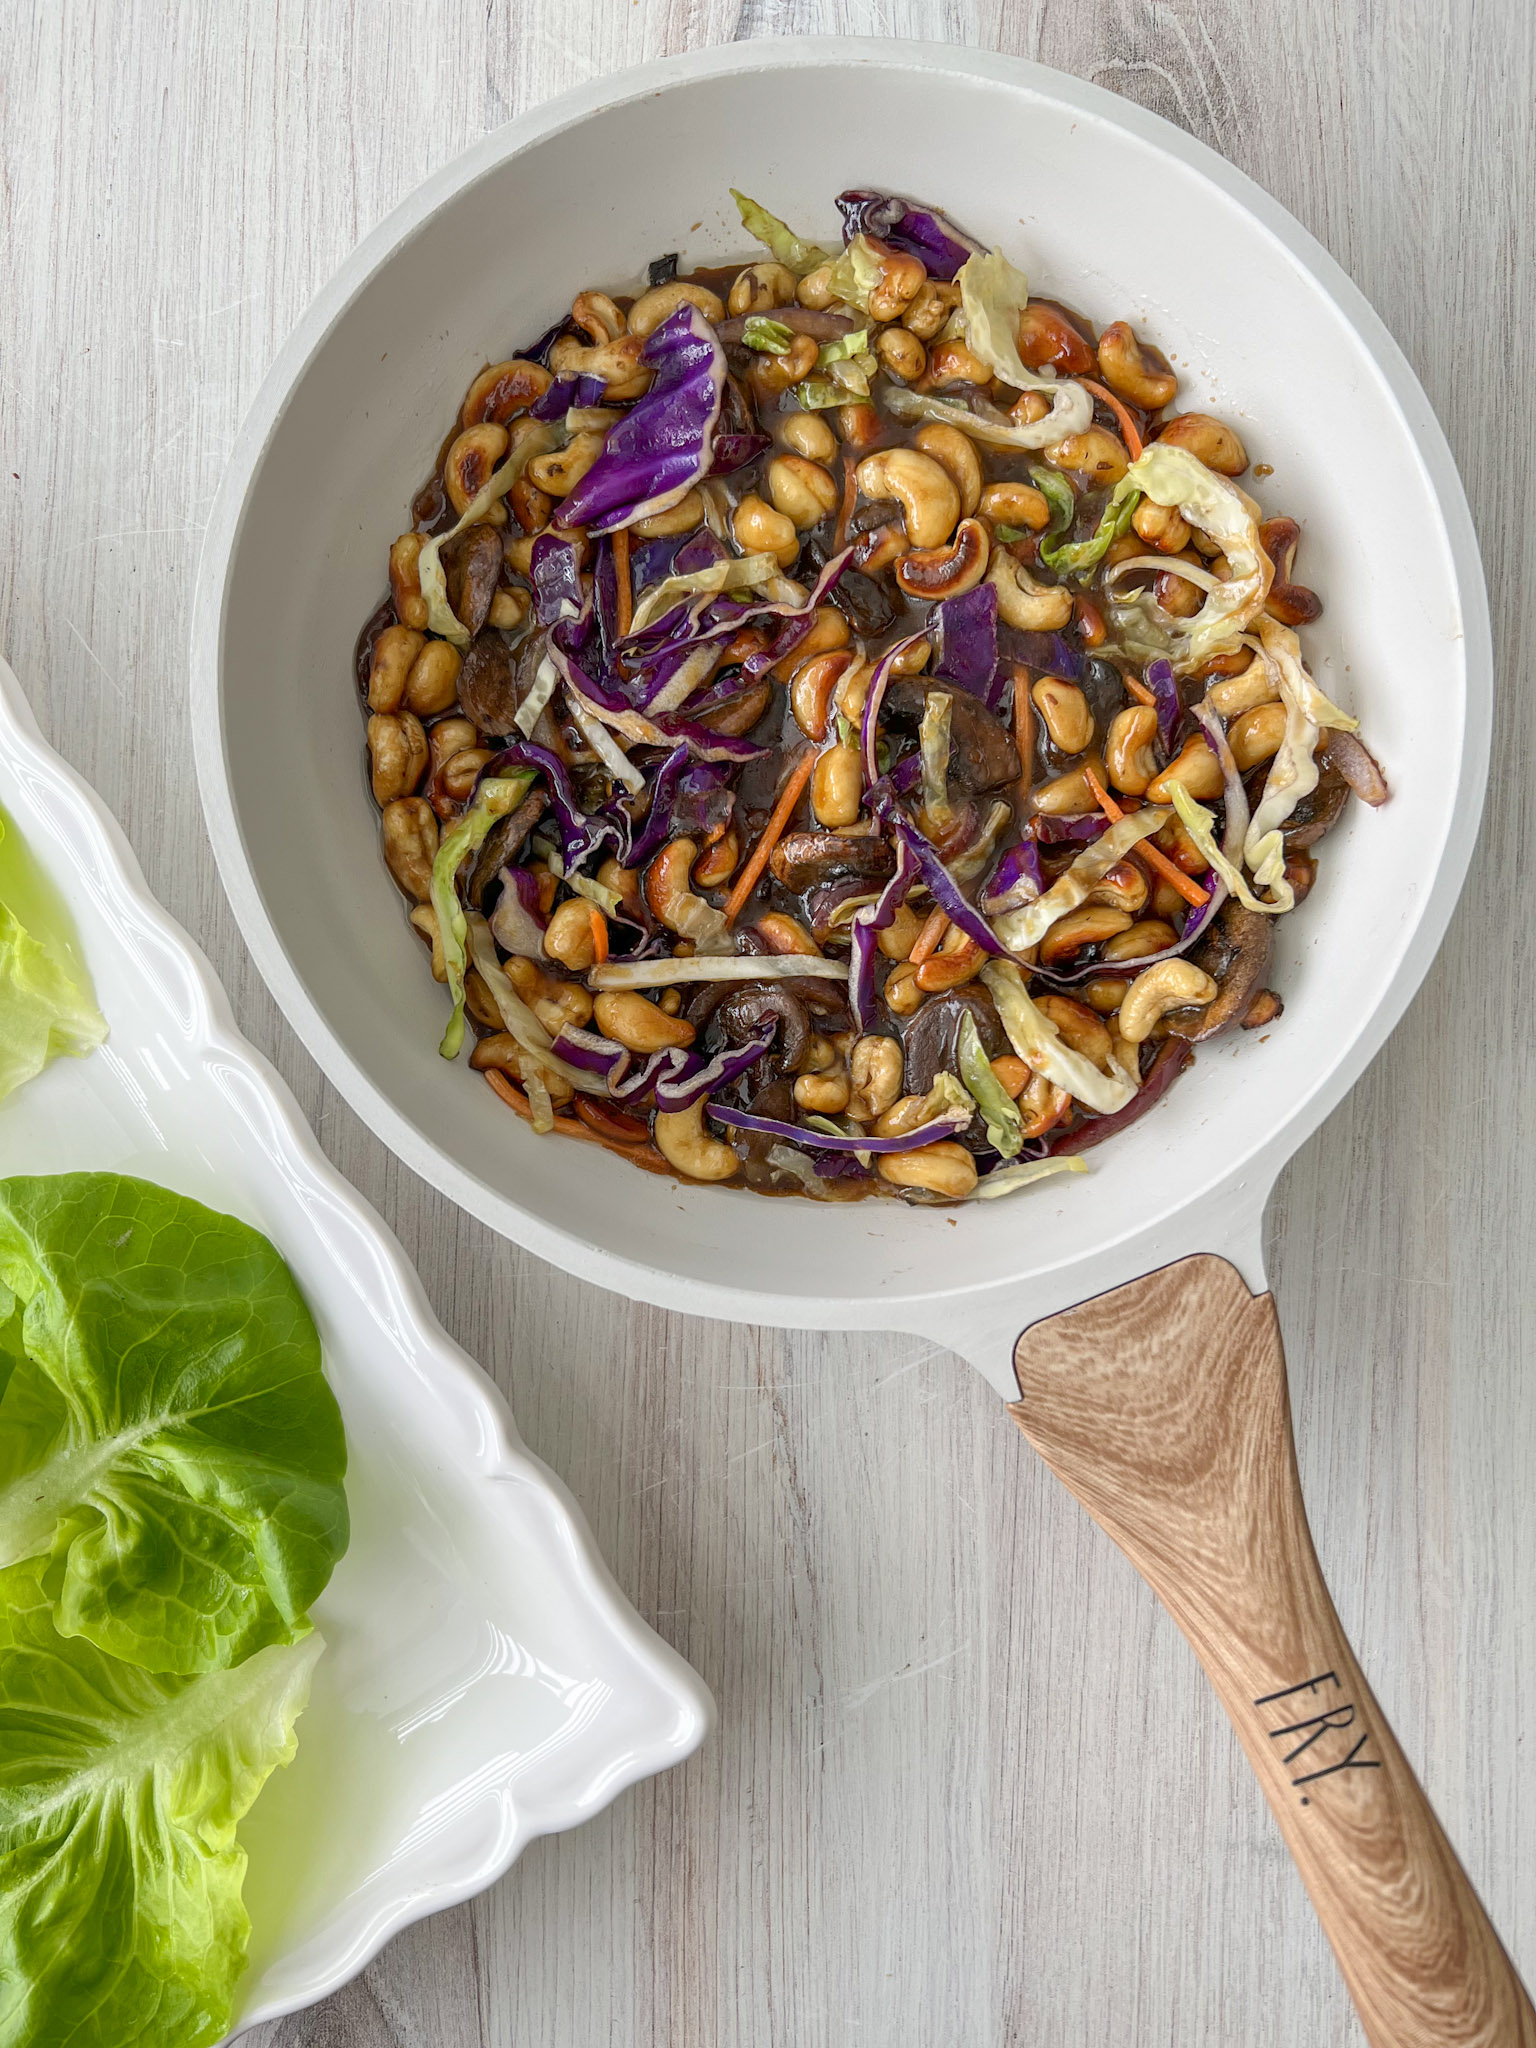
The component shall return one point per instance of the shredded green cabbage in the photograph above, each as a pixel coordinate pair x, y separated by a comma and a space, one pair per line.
664, 973
933, 738
842, 347
532, 706
608, 750
537, 440
782, 242
521, 1023
1198, 822
1040, 1045
609, 901
967, 866
737, 572
1027, 925
992, 296
1081, 557
856, 273
987, 424
1171, 476
495, 798
1293, 773
1005, 1126
1058, 494
1004, 1179
768, 337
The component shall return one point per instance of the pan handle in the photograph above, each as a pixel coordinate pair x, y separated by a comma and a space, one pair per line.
1163, 1407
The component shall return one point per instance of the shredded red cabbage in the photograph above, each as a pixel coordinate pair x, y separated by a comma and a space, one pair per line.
657, 451
555, 573
824, 1141
965, 630
564, 393
916, 231
868, 923
1160, 681
1015, 880
942, 886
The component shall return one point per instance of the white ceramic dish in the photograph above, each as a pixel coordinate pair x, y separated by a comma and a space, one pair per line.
484, 1680
581, 192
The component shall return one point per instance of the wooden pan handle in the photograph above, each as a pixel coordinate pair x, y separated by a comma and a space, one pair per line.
1163, 1407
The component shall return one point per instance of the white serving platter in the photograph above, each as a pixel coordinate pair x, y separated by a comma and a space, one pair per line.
484, 1680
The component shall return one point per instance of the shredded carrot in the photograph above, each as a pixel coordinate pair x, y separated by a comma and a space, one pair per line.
773, 831
1023, 727
567, 1127
1139, 690
1127, 425
1187, 887
928, 938
599, 934
626, 610
845, 510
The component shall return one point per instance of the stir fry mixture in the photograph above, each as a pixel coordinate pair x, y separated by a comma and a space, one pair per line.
840, 728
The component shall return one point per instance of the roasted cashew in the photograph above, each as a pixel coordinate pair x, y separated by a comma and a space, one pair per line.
1167, 986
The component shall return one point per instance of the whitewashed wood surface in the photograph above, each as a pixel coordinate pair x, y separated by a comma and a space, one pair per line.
967, 1786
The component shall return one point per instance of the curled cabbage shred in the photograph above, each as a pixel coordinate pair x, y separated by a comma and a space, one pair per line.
1029, 924
664, 973
495, 798
985, 423
1041, 1047
992, 296
781, 241
1005, 1125
933, 739
1003, 1180
737, 572
1213, 505
1293, 773
1200, 823
768, 336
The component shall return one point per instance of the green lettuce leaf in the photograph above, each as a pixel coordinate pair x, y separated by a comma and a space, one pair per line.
46, 1004
779, 240
170, 1454
120, 1791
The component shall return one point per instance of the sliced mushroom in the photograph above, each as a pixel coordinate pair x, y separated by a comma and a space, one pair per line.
803, 860
981, 753
472, 568
1319, 812
503, 843
1236, 956
753, 1004
487, 689
931, 1038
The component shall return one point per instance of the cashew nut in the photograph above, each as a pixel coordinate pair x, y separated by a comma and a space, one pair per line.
955, 453
1064, 712
901, 278
1211, 441
468, 468
682, 517
625, 375
397, 748
636, 1023
837, 786
802, 490
405, 579
807, 433
433, 682
597, 316
568, 935
1122, 887
901, 354
672, 900
874, 1070
1021, 601
1256, 736
562, 469
944, 1168
1133, 371
823, 1094
1129, 759
922, 487
1067, 795
1048, 339
1162, 527
394, 654
409, 830
932, 573
684, 1143
782, 933
1151, 935
662, 301
762, 288
759, 529
1079, 1028
1096, 453
503, 390
1089, 925
1011, 503
951, 362
1158, 989
1196, 767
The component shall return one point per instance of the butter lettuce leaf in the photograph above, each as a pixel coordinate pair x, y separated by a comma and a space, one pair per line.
120, 1791
171, 1457
47, 1008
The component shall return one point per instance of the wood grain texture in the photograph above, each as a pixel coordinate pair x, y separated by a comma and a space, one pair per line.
920, 1820
1163, 1408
